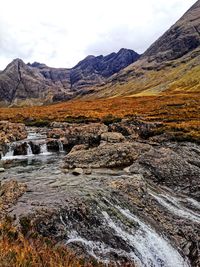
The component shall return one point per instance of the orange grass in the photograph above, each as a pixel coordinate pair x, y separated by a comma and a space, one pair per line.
17, 251
180, 112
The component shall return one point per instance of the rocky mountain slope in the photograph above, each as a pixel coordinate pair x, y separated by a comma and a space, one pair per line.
37, 83
169, 65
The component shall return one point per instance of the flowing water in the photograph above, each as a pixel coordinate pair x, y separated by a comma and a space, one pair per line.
120, 234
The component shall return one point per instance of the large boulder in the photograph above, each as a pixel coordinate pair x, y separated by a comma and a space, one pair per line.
105, 155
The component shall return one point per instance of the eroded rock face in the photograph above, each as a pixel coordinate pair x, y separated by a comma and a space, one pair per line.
182, 37
176, 166
37, 83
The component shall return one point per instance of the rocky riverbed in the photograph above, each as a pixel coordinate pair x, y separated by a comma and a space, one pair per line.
113, 192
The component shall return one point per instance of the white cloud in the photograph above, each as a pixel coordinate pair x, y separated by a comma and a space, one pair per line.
62, 32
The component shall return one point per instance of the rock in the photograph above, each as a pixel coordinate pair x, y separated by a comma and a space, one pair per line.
9, 194
2, 170
112, 137
11, 132
182, 37
78, 148
56, 133
77, 171
20, 149
167, 166
108, 155
77, 134
88, 171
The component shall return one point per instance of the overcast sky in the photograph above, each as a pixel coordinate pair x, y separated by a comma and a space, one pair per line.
62, 32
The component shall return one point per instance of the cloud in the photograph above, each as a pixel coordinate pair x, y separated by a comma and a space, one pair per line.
60, 33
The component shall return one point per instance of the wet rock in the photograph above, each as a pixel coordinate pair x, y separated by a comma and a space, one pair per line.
20, 149
166, 166
77, 171
35, 147
9, 194
76, 134
108, 155
2, 170
52, 145
88, 171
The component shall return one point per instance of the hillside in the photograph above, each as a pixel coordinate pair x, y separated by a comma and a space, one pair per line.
170, 65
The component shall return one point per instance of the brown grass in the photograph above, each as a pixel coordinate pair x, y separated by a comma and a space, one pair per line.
18, 251
180, 113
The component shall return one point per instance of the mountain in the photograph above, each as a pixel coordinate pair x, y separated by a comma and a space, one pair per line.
181, 38
37, 83
170, 65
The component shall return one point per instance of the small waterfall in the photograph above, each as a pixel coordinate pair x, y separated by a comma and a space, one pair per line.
173, 205
99, 250
60, 144
10, 153
43, 149
150, 249
29, 150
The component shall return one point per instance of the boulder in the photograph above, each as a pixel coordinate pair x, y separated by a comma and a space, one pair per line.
112, 137
107, 155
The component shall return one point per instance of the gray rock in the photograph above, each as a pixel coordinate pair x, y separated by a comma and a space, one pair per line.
112, 137
107, 155
77, 171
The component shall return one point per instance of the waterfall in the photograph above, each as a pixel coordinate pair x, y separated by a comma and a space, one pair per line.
43, 149
150, 249
174, 206
29, 150
60, 144
9, 154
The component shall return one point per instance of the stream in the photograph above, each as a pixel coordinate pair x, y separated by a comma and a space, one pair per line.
111, 228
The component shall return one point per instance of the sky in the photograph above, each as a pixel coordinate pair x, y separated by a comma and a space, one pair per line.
60, 33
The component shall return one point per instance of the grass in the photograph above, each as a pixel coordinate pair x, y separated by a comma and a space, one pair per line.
179, 113
18, 251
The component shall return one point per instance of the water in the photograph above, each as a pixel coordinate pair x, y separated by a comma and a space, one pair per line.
130, 237
44, 150
29, 150
151, 248
60, 144
33, 137
9, 154
174, 206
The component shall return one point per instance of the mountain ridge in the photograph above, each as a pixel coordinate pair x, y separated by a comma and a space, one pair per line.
20, 81
169, 66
